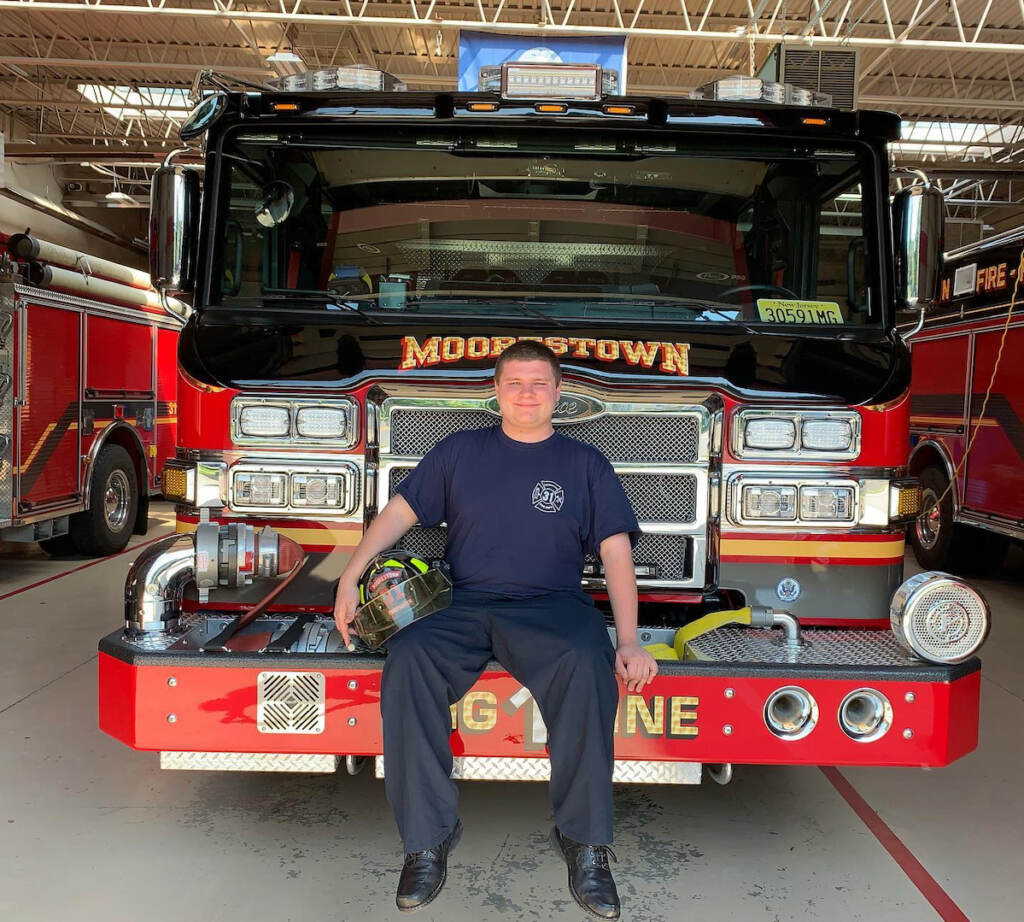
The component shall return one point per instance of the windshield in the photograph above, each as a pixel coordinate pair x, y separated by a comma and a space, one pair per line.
560, 225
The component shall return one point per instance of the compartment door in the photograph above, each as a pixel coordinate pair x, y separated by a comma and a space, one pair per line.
49, 466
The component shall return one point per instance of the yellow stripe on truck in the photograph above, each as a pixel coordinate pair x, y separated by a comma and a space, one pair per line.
741, 547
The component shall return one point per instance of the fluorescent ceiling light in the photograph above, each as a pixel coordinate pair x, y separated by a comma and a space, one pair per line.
284, 57
125, 102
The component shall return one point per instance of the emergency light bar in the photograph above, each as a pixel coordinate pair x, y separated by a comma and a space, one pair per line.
492, 80
551, 81
358, 77
737, 89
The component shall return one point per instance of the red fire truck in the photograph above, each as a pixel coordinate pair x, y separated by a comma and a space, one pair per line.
955, 353
720, 279
87, 399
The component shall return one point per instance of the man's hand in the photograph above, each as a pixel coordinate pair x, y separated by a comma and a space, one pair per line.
345, 604
635, 665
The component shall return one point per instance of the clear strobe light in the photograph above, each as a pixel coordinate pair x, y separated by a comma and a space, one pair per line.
321, 423
826, 434
264, 421
769, 432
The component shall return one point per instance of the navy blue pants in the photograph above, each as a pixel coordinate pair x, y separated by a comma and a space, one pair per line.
557, 646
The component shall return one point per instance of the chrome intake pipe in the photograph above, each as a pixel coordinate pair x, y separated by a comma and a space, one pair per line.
156, 581
213, 556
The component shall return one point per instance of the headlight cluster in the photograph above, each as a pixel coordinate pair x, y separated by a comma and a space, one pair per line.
819, 434
260, 487
256, 421
760, 500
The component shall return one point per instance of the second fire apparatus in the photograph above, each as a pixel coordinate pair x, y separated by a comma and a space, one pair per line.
972, 506
87, 398
720, 280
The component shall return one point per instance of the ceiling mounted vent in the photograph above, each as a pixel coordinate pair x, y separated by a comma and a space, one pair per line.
832, 71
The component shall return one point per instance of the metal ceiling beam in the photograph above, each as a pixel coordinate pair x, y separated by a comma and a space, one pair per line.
773, 35
998, 172
163, 66
941, 102
132, 153
75, 105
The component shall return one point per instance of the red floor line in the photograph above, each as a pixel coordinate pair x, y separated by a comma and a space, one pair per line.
84, 566
930, 888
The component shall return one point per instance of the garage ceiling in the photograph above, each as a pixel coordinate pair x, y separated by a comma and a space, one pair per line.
106, 82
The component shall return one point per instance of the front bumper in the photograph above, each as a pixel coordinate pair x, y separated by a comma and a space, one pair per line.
694, 711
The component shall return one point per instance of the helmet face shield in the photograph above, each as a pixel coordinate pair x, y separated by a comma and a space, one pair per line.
402, 603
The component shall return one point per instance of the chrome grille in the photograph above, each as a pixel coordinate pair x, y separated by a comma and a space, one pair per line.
621, 438
415, 431
662, 497
660, 452
654, 497
670, 553
426, 542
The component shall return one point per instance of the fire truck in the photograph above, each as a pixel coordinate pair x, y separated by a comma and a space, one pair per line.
720, 278
972, 505
88, 371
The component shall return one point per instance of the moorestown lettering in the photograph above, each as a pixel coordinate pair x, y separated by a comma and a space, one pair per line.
416, 356
436, 350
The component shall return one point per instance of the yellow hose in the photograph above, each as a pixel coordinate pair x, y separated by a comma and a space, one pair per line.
709, 622
695, 629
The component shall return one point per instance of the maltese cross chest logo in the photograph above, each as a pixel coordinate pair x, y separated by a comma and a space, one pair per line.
548, 496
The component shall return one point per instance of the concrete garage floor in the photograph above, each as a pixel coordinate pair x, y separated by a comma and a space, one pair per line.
94, 831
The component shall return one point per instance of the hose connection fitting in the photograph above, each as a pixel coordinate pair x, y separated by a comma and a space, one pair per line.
214, 556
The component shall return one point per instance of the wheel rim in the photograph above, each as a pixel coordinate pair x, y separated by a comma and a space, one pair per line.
929, 522
116, 500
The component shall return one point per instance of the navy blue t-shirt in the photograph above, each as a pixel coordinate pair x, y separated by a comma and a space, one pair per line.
521, 516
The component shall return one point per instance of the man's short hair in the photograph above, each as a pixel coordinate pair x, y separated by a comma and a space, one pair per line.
528, 350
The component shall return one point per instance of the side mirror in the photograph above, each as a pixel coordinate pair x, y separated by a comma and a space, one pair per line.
918, 216
173, 229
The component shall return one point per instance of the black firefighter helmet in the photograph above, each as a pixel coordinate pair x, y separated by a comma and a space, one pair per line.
397, 588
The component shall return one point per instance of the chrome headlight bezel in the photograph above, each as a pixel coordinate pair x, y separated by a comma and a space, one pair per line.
737, 483
294, 406
346, 470
798, 450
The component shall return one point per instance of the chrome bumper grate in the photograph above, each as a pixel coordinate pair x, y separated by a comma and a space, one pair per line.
290, 702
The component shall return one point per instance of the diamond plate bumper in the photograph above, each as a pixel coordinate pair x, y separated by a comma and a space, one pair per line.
249, 762
467, 768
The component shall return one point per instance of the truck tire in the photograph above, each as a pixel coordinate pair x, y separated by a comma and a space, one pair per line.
107, 525
941, 544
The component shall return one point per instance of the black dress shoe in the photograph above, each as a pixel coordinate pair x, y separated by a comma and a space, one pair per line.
425, 872
590, 878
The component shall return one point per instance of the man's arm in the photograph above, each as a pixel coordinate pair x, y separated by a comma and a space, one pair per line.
394, 520
636, 666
